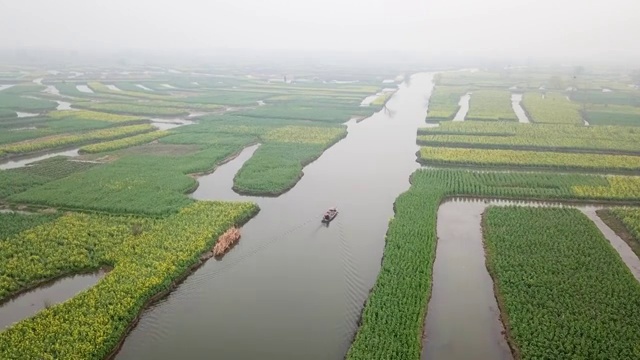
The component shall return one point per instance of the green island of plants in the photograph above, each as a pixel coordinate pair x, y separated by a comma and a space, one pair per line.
528, 159
57, 141
539, 137
443, 103
393, 317
563, 290
552, 108
124, 142
491, 105
145, 265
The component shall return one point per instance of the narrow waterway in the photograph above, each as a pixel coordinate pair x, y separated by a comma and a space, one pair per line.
26, 160
29, 303
464, 107
166, 124
516, 104
463, 316
293, 288
143, 87
113, 87
63, 105
4, 87
84, 89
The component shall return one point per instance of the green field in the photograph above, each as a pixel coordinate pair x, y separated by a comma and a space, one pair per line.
491, 105
552, 108
558, 282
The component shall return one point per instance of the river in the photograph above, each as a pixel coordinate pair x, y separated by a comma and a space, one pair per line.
292, 287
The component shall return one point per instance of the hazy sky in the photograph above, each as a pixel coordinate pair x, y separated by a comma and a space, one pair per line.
465, 27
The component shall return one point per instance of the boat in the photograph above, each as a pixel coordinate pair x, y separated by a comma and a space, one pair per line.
329, 215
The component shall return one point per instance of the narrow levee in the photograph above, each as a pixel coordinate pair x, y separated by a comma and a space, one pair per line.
463, 319
516, 104
29, 303
464, 107
293, 288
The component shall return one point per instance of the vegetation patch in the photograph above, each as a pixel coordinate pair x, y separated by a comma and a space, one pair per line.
145, 265
123, 143
491, 105
57, 141
393, 317
553, 108
543, 137
538, 159
443, 103
557, 283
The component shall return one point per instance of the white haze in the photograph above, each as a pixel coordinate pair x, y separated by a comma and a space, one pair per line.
551, 29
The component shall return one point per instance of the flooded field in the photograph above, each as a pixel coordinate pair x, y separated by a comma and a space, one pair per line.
29, 303
310, 280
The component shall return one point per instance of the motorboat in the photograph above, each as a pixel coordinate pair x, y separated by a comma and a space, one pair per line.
329, 215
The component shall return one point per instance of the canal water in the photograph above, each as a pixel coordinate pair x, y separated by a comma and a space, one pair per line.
463, 318
29, 303
464, 107
293, 288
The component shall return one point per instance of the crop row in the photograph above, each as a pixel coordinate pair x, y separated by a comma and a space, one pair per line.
124, 143
491, 105
515, 158
56, 141
83, 115
534, 137
552, 108
564, 291
393, 317
145, 264
305, 134
137, 109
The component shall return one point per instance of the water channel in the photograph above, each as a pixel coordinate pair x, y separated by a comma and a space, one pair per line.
463, 318
464, 107
292, 287
516, 104
23, 161
29, 303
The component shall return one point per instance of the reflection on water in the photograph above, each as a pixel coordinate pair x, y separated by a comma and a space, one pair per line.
29, 303
293, 288
464, 107
24, 161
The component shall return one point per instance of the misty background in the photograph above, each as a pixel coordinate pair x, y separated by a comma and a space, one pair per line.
427, 30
